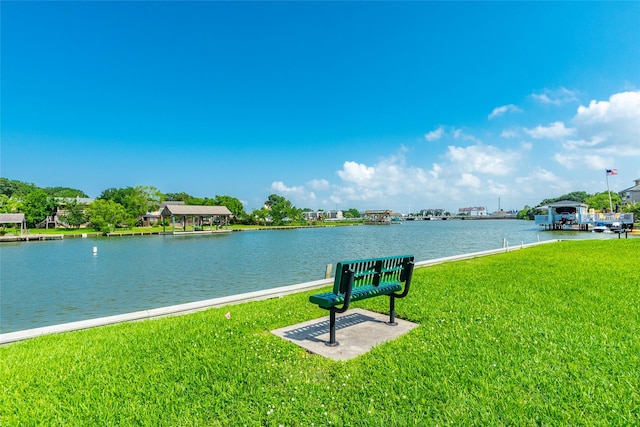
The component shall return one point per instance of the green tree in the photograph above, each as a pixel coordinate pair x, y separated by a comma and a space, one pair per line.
11, 187
260, 215
200, 201
179, 197
106, 215
281, 209
351, 213
148, 197
234, 205
37, 206
75, 214
575, 196
137, 201
9, 204
116, 194
64, 192
633, 208
600, 201
524, 212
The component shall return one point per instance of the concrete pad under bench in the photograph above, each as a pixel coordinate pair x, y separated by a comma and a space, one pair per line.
357, 332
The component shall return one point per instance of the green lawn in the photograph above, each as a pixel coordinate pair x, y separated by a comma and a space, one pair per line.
548, 335
159, 229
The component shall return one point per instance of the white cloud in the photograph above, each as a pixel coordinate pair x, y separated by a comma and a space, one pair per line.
499, 111
612, 126
537, 176
319, 184
461, 134
578, 160
388, 183
509, 133
540, 177
556, 97
485, 159
553, 131
356, 173
607, 132
469, 180
280, 187
600, 135
434, 135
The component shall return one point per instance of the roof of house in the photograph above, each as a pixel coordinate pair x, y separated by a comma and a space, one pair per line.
176, 210
11, 218
564, 203
79, 200
634, 188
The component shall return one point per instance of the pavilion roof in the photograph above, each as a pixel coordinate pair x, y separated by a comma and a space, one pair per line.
186, 210
12, 218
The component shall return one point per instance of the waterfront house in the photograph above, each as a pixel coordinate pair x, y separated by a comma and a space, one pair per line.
473, 211
322, 215
631, 194
57, 219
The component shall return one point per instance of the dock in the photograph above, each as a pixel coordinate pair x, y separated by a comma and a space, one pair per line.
585, 222
31, 237
194, 233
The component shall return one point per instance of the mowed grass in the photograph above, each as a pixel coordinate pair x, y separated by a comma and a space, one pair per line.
548, 335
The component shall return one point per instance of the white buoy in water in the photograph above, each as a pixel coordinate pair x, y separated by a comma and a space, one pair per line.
95, 250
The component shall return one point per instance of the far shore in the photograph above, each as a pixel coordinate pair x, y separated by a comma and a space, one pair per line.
13, 235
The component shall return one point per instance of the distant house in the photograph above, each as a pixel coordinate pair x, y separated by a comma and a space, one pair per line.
473, 211
312, 215
333, 215
62, 205
631, 194
322, 215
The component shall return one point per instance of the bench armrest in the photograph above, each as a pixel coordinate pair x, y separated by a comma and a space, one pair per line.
349, 273
407, 274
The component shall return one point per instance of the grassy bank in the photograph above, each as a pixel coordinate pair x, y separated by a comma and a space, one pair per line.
542, 336
136, 231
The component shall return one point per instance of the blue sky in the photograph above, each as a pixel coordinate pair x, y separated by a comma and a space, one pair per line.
372, 105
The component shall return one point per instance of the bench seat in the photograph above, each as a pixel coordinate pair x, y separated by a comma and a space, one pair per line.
329, 299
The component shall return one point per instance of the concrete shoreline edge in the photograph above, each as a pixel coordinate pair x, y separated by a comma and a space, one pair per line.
192, 307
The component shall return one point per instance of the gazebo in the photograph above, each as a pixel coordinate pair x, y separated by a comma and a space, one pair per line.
13, 218
215, 216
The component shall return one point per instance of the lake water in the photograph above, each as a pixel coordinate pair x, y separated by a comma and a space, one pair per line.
53, 282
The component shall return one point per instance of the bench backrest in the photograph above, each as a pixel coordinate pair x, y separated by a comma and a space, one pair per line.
371, 272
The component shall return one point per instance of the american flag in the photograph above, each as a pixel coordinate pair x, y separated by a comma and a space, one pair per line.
612, 172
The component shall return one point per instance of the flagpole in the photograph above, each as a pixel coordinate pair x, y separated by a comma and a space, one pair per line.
609, 192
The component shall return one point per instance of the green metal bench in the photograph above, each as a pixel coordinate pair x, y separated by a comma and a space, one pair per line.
362, 279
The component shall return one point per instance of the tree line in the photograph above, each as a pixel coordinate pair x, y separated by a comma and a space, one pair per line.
124, 207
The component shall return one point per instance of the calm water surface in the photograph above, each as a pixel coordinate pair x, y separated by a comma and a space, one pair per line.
52, 282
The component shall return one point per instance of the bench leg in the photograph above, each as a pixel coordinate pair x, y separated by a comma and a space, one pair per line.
332, 330
392, 311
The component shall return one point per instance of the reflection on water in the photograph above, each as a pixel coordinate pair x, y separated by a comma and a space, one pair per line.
51, 282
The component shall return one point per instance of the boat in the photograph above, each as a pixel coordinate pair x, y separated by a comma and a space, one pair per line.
600, 227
